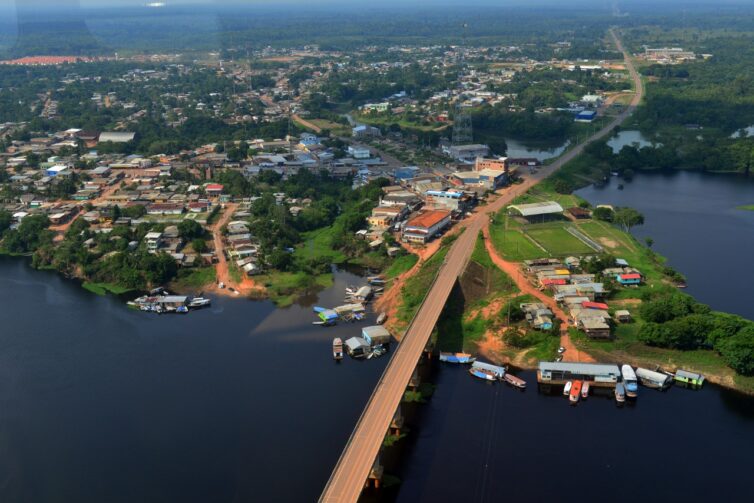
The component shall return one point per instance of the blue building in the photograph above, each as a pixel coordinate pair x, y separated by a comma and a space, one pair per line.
586, 116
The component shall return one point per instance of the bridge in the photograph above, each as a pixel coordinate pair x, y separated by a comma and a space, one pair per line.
362, 449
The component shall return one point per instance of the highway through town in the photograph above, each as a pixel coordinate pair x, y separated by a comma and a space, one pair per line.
356, 461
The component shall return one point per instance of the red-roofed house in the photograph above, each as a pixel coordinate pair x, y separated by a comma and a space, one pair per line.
628, 279
214, 189
594, 305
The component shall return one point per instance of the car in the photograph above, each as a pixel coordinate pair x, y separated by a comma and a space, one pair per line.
561, 350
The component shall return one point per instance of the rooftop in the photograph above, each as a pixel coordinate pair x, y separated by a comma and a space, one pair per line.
532, 209
428, 218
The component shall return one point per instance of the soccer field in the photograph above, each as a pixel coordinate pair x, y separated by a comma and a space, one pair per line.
557, 240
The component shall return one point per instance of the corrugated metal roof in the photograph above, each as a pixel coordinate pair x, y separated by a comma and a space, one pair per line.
579, 368
532, 209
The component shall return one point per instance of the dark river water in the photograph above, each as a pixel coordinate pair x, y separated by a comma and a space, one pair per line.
236, 403
694, 222
489, 443
242, 402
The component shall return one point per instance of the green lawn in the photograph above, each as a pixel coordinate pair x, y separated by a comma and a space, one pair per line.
285, 287
512, 244
747, 207
401, 265
417, 286
557, 240
318, 244
192, 279
105, 288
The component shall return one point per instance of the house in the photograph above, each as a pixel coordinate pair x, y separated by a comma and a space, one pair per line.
405, 173
153, 240
357, 347
384, 216
364, 131
452, 200
359, 152
628, 279
490, 179
58, 170
165, 209
499, 164
595, 328
422, 228
623, 316
579, 213
214, 189
375, 335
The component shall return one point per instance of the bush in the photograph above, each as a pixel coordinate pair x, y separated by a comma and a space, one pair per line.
738, 351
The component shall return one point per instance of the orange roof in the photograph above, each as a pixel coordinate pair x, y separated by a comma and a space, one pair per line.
428, 218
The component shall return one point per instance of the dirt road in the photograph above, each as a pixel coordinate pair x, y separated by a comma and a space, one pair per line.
222, 268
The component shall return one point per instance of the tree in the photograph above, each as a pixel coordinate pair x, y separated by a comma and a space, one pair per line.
603, 213
628, 218
199, 245
190, 229
5, 220
738, 351
649, 242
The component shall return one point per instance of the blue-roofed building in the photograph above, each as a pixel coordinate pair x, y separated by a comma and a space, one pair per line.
405, 173
586, 116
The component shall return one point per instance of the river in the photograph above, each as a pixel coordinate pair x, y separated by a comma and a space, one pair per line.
484, 443
239, 402
537, 150
694, 222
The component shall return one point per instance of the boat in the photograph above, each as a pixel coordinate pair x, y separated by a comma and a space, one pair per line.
381, 318
457, 358
197, 302
620, 393
690, 378
573, 395
514, 381
652, 379
498, 372
484, 374
181, 309
629, 381
337, 349
318, 309
585, 390
567, 388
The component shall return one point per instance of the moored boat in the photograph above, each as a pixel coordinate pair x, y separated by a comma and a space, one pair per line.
690, 378
585, 390
337, 349
652, 379
381, 318
514, 381
498, 372
573, 395
457, 358
484, 374
198, 302
567, 388
629, 381
620, 393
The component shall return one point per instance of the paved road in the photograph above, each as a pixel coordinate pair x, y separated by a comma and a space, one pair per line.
355, 463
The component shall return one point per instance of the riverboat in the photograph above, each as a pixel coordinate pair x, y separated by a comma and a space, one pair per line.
573, 395
198, 302
337, 349
620, 393
629, 381
567, 388
484, 374
381, 318
514, 381
457, 358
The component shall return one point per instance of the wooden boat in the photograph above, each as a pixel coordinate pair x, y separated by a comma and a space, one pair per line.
514, 381
198, 302
575, 392
567, 388
585, 390
484, 374
620, 393
381, 318
457, 358
337, 349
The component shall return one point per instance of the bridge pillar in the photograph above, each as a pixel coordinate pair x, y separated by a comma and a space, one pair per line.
375, 475
397, 423
415, 380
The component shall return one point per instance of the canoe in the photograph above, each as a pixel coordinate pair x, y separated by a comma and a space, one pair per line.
514, 381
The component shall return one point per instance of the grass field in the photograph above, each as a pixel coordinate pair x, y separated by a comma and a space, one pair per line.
106, 288
285, 287
191, 279
318, 244
512, 244
401, 265
557, 240
416, 287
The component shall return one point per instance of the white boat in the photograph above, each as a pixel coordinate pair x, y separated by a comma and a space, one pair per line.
457, 358
629, 381
495, 370
585, 390
381, 318
199, 302
337, 349
567, 388
620, 393
652, 379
